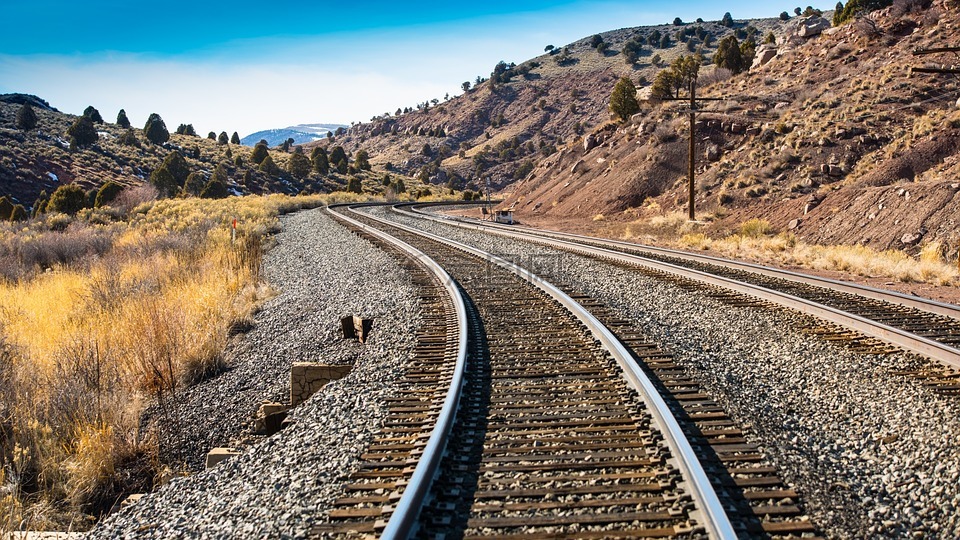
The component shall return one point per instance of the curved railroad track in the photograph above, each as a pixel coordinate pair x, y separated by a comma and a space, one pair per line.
570, 424
915, 324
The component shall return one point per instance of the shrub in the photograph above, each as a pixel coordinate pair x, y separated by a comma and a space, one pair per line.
177, 166
269, 167
68, 199
755, 228
318, 158
6, 208
259, 153
677, 21
107, 193
130, 139
215, 189
19, 213
355, 185
194, 184
784, 16
26, 118
299, 166
165, 183
338, 156
362, 160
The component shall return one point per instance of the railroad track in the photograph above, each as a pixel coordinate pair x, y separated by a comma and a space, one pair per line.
852, 313
567, 427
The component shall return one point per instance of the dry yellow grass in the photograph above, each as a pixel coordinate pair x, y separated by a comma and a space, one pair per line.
755, 241
85, 343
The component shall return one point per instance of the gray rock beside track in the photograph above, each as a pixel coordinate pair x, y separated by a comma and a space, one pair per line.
873, 454
280, 486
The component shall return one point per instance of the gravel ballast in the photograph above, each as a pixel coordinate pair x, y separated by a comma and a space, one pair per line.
874, 454
281, 485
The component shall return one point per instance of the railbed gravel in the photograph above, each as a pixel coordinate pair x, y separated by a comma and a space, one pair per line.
873, 454
278, 487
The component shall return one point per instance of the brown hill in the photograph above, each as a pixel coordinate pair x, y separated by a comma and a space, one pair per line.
833, 137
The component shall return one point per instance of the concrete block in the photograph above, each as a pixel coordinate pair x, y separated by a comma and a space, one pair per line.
355, 327
306, 378
219, 454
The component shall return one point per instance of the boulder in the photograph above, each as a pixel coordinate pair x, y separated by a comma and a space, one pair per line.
765, 53
812, 26
835, 170
577, 166
794, 224
637, 119
911, 239
589, 143
712, 153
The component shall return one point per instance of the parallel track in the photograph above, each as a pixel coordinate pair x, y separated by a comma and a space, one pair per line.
915, 324
550, 441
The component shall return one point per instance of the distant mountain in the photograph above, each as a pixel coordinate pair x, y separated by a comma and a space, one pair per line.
300, 134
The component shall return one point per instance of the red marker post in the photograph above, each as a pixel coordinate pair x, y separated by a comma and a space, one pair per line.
233, 231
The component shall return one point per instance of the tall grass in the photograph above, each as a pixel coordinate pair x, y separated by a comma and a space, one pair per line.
756, 240
101, 314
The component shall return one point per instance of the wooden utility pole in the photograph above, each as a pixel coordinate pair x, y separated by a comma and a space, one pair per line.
693, 148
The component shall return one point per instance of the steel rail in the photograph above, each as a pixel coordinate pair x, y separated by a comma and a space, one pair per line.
906, 340
716, 521
893, 297
404, 518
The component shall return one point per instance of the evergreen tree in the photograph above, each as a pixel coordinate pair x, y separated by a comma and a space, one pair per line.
677, 21
299, 166
235, 138
177, 166
238, 161
40, 205
26, 118
155, 130
93, 114
399, 186
122, 119
784, 16
355, 185
165, 183
362, 160
259, 153
194, 184
623, 99
90, 198
6, 208
82, 133
269, 167
223, 139
19, 213
319, 159
212, 136
728, 55
337, 156
215, 189
107, 193
130, 139
727, 20
68, 199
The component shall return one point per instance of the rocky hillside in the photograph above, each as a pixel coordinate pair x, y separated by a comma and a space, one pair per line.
499, 129
832, 137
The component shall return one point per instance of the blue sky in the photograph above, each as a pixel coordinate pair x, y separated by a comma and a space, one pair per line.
245, 66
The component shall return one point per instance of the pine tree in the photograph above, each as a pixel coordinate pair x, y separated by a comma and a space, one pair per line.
155, 130
93, 114
26, 118
299, 166
223, 139
623, 99
235, 138
68, 199
107, 193
122, 119
82, 133
259, 153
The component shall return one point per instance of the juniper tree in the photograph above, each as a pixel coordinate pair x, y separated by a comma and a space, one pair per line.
259, 153
165, 183
26, 118
727, 20
68, 199
319, 159
728, 55
107, 193
82, 133
93, 114
298, 166
194, 184
155, 130
6, 208
223, 139
177, 166
269, 167
362, 160
235, 138
122, 119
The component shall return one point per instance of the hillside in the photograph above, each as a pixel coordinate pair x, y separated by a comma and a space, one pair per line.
832, 123
41, 160
301, 133
832, 138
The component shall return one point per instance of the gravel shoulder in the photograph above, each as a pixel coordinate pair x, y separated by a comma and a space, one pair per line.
279, 486
874, 454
